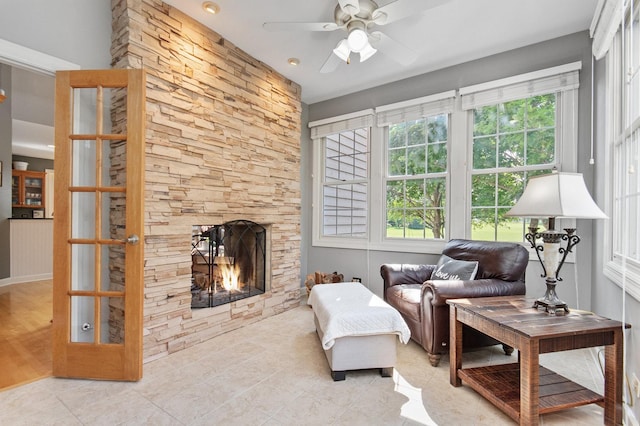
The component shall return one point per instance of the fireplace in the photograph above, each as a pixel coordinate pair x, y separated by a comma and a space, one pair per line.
228, 262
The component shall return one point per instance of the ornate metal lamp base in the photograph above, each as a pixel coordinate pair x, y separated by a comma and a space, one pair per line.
551, 263
550, 302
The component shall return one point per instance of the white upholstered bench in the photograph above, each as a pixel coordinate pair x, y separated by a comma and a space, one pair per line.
358, 330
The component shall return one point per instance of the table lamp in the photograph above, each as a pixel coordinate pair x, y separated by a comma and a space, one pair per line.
556, 195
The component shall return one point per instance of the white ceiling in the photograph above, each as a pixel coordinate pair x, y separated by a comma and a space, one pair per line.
449, 32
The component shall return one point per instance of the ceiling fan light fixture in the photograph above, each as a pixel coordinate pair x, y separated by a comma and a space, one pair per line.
342, 50
367, 52
211, 7
358, 39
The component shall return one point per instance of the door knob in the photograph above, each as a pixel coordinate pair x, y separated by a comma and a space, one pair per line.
133, 239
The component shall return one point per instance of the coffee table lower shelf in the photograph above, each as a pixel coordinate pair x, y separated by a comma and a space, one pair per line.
500, 385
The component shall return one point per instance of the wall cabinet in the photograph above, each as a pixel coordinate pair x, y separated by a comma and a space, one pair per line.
27, 189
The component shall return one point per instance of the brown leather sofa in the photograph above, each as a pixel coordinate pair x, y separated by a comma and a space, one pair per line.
422, 301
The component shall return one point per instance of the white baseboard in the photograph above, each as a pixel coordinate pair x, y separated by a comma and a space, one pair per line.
25, 279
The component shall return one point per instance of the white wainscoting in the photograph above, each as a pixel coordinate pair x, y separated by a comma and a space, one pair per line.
31, 249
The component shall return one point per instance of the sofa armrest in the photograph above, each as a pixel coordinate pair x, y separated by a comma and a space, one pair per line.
394, 274
441, 290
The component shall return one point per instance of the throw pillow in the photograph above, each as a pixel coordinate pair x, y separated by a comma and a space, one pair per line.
453, 269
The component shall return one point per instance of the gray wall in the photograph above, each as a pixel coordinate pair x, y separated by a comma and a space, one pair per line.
305, 191
78, 31
366, 264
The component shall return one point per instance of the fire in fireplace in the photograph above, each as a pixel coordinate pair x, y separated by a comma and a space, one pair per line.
228, 262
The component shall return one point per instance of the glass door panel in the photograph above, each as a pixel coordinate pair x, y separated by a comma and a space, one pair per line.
82, 319
114, 153
84, 110
83, 270
84, 220
84, 163
112, 320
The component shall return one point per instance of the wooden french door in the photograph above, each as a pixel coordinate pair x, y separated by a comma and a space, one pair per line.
98, 224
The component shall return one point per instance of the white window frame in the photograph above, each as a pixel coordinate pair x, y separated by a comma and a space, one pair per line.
564, 81
620, 128
459, 105
440, 103
319, 130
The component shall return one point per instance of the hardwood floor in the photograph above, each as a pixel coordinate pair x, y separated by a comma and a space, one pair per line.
25, 332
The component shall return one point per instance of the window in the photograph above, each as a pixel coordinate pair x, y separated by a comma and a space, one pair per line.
521, 127
416, 178
622, 233
341, 190
512, 141
416, 168
411, 175
345, 183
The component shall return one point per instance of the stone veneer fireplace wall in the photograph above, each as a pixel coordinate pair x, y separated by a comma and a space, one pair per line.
223, 143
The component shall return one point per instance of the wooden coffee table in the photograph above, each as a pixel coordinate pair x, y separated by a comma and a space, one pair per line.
524, 390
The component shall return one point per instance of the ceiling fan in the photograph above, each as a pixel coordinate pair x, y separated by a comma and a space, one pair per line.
358, 18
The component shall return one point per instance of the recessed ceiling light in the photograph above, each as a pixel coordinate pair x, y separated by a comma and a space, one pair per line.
294, 61
211, 7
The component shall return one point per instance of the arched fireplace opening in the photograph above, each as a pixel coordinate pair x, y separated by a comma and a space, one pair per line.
228, 262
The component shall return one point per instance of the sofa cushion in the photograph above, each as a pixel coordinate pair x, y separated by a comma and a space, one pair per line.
453, 269
496, 259
406, 299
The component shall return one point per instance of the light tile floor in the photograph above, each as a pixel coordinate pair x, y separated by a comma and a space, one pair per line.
274, 372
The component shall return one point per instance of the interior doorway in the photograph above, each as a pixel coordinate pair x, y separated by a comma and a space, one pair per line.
26, 307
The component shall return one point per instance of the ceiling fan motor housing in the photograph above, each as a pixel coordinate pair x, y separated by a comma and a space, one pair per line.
367, 7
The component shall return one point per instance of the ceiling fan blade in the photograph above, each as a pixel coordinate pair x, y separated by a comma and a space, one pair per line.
401, 9
391, 48
300, 26
351, 7
331, 64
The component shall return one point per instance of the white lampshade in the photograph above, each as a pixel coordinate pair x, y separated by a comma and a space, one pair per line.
367, 52
342, 50
358, 39
557, 195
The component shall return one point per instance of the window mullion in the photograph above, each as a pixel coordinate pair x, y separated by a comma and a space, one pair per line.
458, 219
